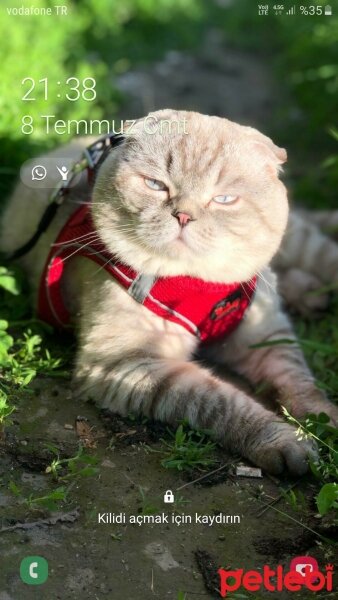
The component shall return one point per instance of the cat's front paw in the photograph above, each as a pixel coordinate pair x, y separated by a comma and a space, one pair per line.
276, 447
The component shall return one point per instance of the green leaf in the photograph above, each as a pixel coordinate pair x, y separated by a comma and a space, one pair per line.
323, 418
28, 378
87, 472
327, 497
8, 282
91, 460
334, 133
14, 488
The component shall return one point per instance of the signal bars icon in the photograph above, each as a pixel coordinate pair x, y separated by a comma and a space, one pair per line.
291, 11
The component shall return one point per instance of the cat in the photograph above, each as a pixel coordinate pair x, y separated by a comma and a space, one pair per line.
203, 205
307, 260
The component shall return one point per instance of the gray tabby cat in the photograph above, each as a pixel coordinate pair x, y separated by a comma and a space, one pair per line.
223, 179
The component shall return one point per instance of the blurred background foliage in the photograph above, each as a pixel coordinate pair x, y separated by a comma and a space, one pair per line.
104, 38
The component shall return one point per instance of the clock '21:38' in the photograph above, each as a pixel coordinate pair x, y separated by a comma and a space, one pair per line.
72, 89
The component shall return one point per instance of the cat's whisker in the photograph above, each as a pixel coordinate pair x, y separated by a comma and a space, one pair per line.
101, 267
75, 242
80, 237
86, 202
269, 288
81, 247
245, 292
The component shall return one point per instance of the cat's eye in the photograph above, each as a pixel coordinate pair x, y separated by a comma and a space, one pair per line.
226, 199
155, 184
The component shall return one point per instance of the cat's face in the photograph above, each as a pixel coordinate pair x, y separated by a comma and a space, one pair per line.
189, 193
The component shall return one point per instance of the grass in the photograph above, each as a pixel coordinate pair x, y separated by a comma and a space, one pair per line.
24, 356
319, 342
321, 357
67, 471
189, 449
325, 470
147, 506
23, 344
80, 465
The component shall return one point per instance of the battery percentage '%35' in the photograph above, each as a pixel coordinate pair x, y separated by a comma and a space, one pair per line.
312, 10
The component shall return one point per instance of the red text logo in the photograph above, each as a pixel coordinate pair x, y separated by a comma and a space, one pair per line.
303, 572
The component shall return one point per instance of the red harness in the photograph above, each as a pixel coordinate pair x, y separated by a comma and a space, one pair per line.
206, 309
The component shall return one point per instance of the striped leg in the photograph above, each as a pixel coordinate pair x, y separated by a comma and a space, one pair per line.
282, 365
171, 390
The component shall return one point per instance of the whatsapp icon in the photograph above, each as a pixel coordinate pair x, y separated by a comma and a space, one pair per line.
34, 570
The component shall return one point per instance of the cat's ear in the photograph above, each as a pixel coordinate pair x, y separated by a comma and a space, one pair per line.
265, 147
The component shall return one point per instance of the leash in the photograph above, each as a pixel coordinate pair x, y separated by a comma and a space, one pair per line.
92, 158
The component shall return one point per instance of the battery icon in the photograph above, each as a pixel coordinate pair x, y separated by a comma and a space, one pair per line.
328, 10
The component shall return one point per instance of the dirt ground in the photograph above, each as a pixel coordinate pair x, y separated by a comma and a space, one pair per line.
98, 561
92, 560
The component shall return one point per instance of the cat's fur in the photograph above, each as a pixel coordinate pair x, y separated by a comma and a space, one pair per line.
307, 260
129, 359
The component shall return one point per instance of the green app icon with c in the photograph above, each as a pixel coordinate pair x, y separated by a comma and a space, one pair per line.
34, 570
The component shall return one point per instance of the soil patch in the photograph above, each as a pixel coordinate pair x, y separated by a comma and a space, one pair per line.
278, 548
208, 568
127, 432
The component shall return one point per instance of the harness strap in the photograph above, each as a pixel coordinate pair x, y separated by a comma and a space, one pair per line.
141, 286
208, 310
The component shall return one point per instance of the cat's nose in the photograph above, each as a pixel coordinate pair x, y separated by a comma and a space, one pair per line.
182, 217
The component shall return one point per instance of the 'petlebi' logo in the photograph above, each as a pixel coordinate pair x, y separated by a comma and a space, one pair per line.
303, 571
